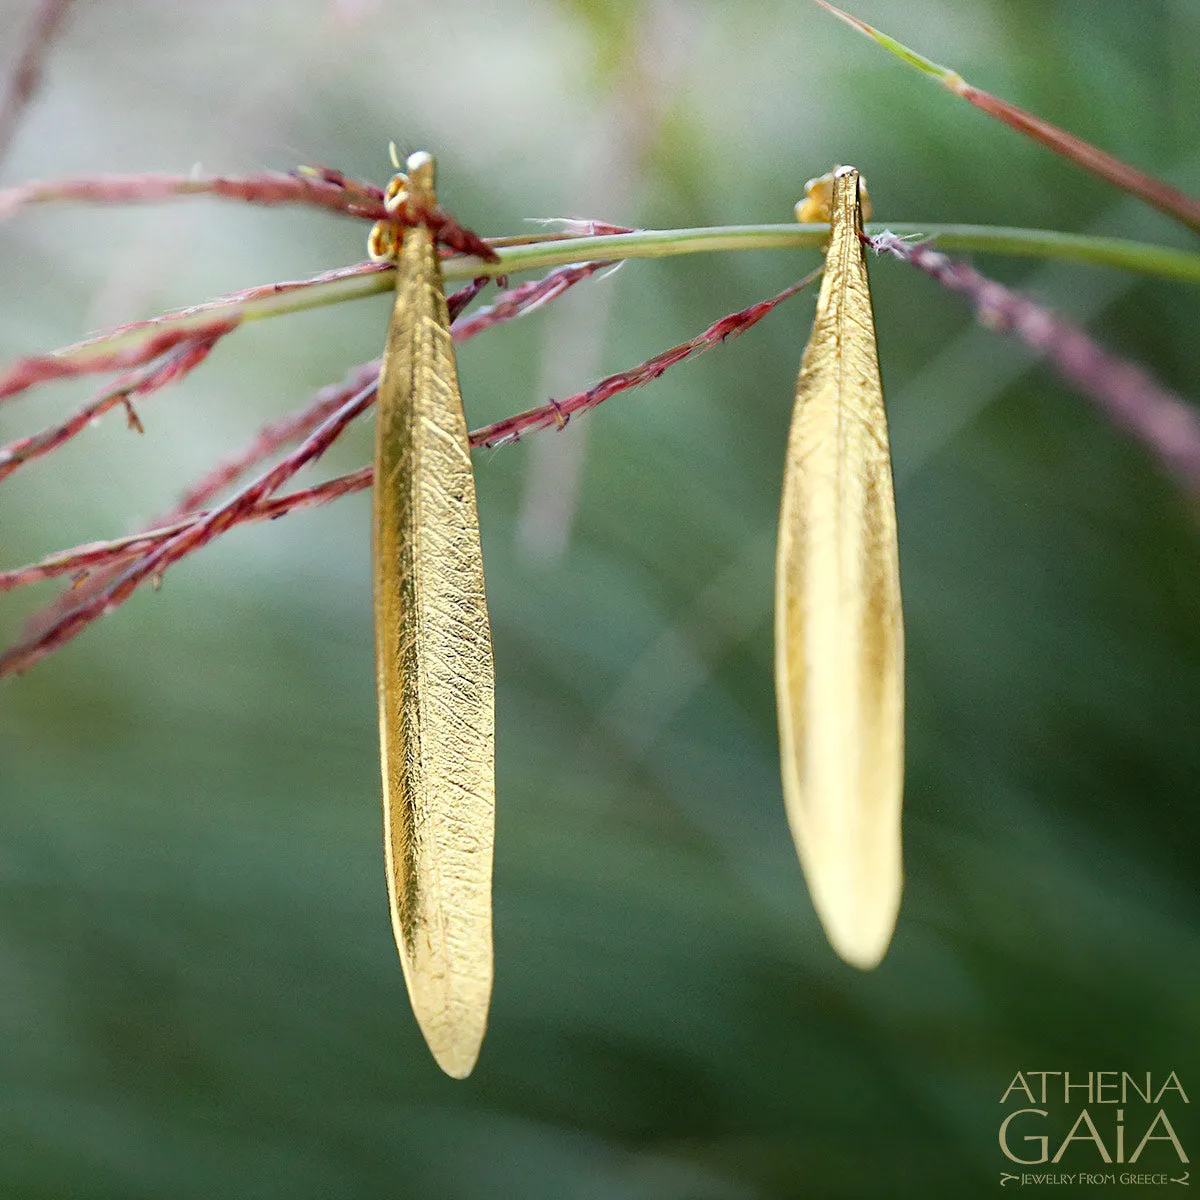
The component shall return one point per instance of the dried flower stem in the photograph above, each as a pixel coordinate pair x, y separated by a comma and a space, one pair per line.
284, 432
1166, 424
168, 367
46, 24
269, 439
151, 566
315, 186
518, 301
108, 555
156, 549
273, 437
325, 190
25, 78
42, 368
1155, 192
367, 279
559, 412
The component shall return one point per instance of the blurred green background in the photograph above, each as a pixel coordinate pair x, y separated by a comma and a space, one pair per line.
199, 995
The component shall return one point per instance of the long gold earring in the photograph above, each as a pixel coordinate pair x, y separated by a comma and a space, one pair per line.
433, 650
839, 636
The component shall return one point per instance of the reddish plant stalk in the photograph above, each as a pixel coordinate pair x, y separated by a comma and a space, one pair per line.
25, 79
268, 188
1166, 424
317, 187
104, 558
42, 368
1153, 191
524, 299
151, 565
273, 437
81, 559
93, 355
158, 549
284, 432
168, 368
559, 412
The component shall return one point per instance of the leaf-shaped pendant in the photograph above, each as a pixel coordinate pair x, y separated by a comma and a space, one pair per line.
433, 654
839, 638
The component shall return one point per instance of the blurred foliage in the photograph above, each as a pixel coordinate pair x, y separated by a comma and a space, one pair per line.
198, 991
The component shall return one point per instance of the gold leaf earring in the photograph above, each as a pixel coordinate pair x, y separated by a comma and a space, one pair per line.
433, 649
839, 636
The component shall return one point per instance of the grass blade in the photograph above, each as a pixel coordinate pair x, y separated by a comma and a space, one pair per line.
1155, 192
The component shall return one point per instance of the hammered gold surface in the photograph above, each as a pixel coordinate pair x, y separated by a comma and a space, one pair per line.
839, 638
434, 666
